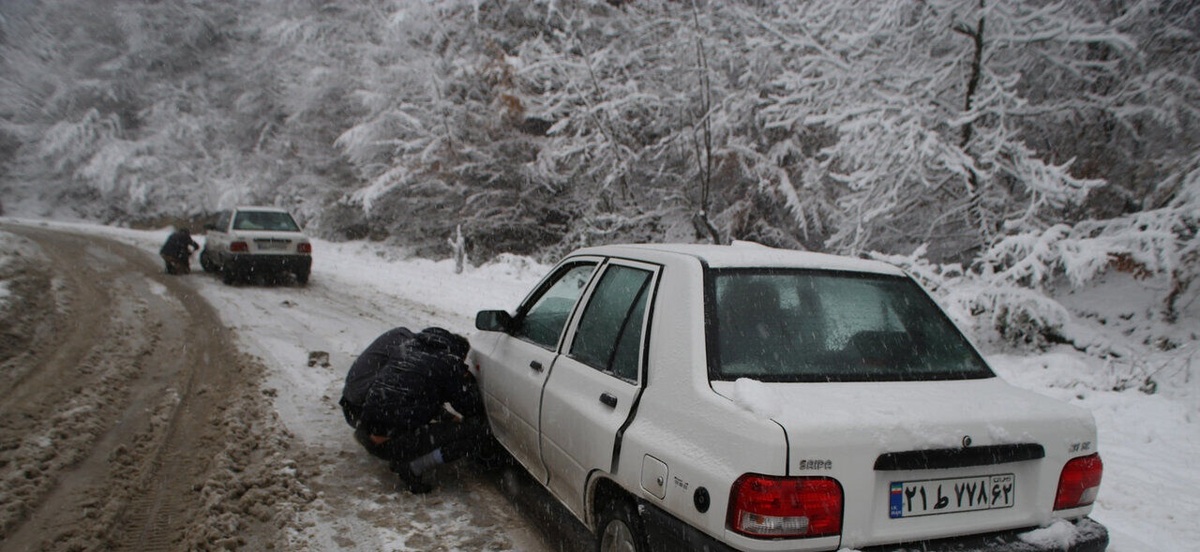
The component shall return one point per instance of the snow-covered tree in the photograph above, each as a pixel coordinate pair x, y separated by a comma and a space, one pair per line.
1021, 140
920, 102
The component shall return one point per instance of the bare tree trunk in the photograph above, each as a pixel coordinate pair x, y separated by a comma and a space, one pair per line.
1181, 279
976, 36
459, 245
975, 209
703, 143
603, 125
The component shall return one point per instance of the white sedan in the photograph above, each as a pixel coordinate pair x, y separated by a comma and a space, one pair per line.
747, 398
254, 241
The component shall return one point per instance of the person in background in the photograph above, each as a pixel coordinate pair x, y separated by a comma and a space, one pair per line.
395, 398
177, 251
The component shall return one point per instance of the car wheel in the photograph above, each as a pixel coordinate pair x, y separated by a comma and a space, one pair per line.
206, 261
491, 456
229, 275
621, 529
302, 276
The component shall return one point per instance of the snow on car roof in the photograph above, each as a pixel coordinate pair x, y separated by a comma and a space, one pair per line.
744, 254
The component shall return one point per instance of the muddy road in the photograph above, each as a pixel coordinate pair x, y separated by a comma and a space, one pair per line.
128, 420
141, 411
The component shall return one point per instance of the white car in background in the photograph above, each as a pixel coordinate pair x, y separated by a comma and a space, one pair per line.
251, 241
692, 397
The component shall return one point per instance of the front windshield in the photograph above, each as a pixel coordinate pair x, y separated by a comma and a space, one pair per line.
795, 325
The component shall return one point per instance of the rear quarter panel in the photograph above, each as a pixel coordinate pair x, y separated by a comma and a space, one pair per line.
704, 440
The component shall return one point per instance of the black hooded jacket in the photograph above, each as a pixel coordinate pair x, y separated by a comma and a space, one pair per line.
179, 245
419, 375
369, 364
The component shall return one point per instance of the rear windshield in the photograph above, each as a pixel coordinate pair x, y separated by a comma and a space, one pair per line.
792, 325
265, 220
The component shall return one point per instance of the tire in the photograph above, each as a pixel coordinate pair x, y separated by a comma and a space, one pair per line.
621, 528
490, 456
228, 275
206, 262
302, 276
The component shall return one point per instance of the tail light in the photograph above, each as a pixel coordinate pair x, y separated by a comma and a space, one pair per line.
239, 247
304, 247
773, 507
1079, 483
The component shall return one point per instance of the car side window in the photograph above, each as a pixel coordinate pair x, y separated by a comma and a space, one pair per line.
223, 221
543, 322
609, 336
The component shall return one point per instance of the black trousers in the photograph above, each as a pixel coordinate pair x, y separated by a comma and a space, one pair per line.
177, 264
456, 439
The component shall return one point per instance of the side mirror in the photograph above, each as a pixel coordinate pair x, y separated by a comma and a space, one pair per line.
493, 321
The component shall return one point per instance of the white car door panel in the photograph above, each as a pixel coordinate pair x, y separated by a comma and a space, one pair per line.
513, 369
512, 386
589, 395
581, 412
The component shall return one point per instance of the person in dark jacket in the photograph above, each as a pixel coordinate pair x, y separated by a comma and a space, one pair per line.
177, 251
395, 398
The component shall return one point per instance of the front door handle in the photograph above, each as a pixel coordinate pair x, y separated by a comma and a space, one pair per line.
536, 365
608, 399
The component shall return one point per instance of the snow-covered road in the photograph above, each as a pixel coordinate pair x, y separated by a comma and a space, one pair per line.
338, 313
1150, 498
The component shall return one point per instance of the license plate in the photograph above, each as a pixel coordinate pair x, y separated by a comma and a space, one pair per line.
946, 496
271, 245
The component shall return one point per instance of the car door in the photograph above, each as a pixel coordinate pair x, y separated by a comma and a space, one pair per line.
513, 366
595, 384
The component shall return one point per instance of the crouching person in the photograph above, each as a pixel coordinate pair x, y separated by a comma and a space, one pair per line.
176, 252
395, 396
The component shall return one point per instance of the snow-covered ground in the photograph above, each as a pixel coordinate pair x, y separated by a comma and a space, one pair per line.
1150, 443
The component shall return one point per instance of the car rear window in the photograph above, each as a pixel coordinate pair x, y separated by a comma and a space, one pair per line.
804, 325
265, 220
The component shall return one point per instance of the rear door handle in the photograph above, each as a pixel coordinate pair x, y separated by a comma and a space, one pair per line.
608, 399
536, 365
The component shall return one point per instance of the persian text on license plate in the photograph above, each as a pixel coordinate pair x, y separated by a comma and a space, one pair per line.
946, 496
272, 245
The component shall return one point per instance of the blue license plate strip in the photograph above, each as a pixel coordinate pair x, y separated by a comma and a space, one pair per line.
931, 497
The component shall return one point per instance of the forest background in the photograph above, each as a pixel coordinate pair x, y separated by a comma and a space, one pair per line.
998, 149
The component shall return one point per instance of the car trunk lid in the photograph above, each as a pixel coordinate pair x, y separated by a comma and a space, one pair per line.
923, 460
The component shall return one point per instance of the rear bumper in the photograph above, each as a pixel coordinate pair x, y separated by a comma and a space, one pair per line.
242, 263
666, 532
1089, 536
